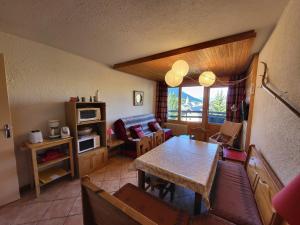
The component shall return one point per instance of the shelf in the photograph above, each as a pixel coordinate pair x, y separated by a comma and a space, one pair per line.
52, 174
91, 122
46, 164
91, 151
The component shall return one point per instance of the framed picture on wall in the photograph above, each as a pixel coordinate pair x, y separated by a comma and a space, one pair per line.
138, 98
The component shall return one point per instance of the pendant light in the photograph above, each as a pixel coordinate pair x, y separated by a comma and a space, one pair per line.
207, 78
181, 67
173, 79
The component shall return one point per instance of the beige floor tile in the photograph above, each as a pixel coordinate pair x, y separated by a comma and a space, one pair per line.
59, 208
77, 207
131, 180
8, 214
32, 212
69, 190
112, 173
110, 186
74, 220
56, 221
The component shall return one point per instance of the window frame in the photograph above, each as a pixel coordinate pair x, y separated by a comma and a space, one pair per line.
205, 107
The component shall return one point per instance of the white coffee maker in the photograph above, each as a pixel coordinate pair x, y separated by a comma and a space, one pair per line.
54, 130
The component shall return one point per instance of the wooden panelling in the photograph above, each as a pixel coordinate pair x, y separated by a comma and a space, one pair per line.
265, 185
224, 56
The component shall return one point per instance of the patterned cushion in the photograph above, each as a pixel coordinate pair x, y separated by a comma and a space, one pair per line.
134, 130
139, 131
154, 126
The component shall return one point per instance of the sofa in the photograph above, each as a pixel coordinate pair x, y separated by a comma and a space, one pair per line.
122, 131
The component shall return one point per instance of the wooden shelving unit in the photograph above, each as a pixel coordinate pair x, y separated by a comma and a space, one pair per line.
47, 172
89, 161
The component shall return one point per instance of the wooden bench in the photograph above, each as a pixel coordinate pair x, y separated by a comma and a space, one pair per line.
243, 195
131, 206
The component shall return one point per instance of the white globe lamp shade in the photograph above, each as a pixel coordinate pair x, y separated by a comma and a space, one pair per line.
173, 79
207, 78
181, 67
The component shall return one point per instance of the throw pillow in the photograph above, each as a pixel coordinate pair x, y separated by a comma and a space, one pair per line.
134, 130
154, 126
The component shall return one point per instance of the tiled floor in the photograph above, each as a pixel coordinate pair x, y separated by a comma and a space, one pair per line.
60, 203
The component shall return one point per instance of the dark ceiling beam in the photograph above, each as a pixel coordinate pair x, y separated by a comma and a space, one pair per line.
190, 48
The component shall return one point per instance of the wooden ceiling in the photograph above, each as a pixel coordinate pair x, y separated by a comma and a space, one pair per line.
224, 56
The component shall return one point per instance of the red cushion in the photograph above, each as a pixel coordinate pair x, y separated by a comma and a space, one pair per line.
234, 155
136, 131
139, 132
120, 131
154, 126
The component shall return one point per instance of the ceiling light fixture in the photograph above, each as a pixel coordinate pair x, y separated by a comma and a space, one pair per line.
181, 67
173, 79
207, 78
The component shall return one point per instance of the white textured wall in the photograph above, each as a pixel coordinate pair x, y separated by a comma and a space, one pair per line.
42, 78
275, 129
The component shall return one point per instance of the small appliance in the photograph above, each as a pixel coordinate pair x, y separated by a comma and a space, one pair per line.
86, 143
65, 132
88, 114
54, 128
35, 136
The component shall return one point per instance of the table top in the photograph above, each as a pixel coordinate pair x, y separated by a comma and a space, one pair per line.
189, 163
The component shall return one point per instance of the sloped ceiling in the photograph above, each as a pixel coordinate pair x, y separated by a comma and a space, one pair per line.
112, 31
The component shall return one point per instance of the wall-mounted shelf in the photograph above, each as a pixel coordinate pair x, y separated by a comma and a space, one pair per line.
277, 96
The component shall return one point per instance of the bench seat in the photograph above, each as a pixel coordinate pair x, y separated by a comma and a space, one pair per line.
232, 197
151, 207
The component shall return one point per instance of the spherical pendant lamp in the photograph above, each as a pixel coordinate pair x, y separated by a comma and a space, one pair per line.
181, 67
173, 79
207, 78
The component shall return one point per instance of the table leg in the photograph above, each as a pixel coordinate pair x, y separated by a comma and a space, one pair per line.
141, 179
197, 203
35, 173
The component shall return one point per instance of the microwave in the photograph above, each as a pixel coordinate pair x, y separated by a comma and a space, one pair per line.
86, 143
88, 114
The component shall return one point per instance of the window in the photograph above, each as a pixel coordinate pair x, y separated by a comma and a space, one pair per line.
191, 103
173, 103
217, 105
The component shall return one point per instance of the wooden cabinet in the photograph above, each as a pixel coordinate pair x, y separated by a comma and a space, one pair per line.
91, 160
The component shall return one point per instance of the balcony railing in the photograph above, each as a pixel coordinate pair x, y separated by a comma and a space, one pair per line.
213, 117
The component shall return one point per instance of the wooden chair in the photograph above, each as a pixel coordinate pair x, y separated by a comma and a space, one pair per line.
128, 206
132, 206
227, 135
144, 145
158, 138
197, 133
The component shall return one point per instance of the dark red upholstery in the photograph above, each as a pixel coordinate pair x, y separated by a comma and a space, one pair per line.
120, 131
286, 202
168, 133
232, 197
234, 155
152, 207
136, 131
209, 219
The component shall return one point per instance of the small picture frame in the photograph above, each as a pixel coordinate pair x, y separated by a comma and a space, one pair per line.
138, 98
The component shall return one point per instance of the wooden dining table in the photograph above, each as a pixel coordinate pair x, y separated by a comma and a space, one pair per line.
184, 162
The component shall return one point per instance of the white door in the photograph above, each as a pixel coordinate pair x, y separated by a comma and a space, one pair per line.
9, 190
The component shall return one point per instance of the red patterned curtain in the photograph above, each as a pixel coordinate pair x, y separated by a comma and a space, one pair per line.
236, 94
161, 109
